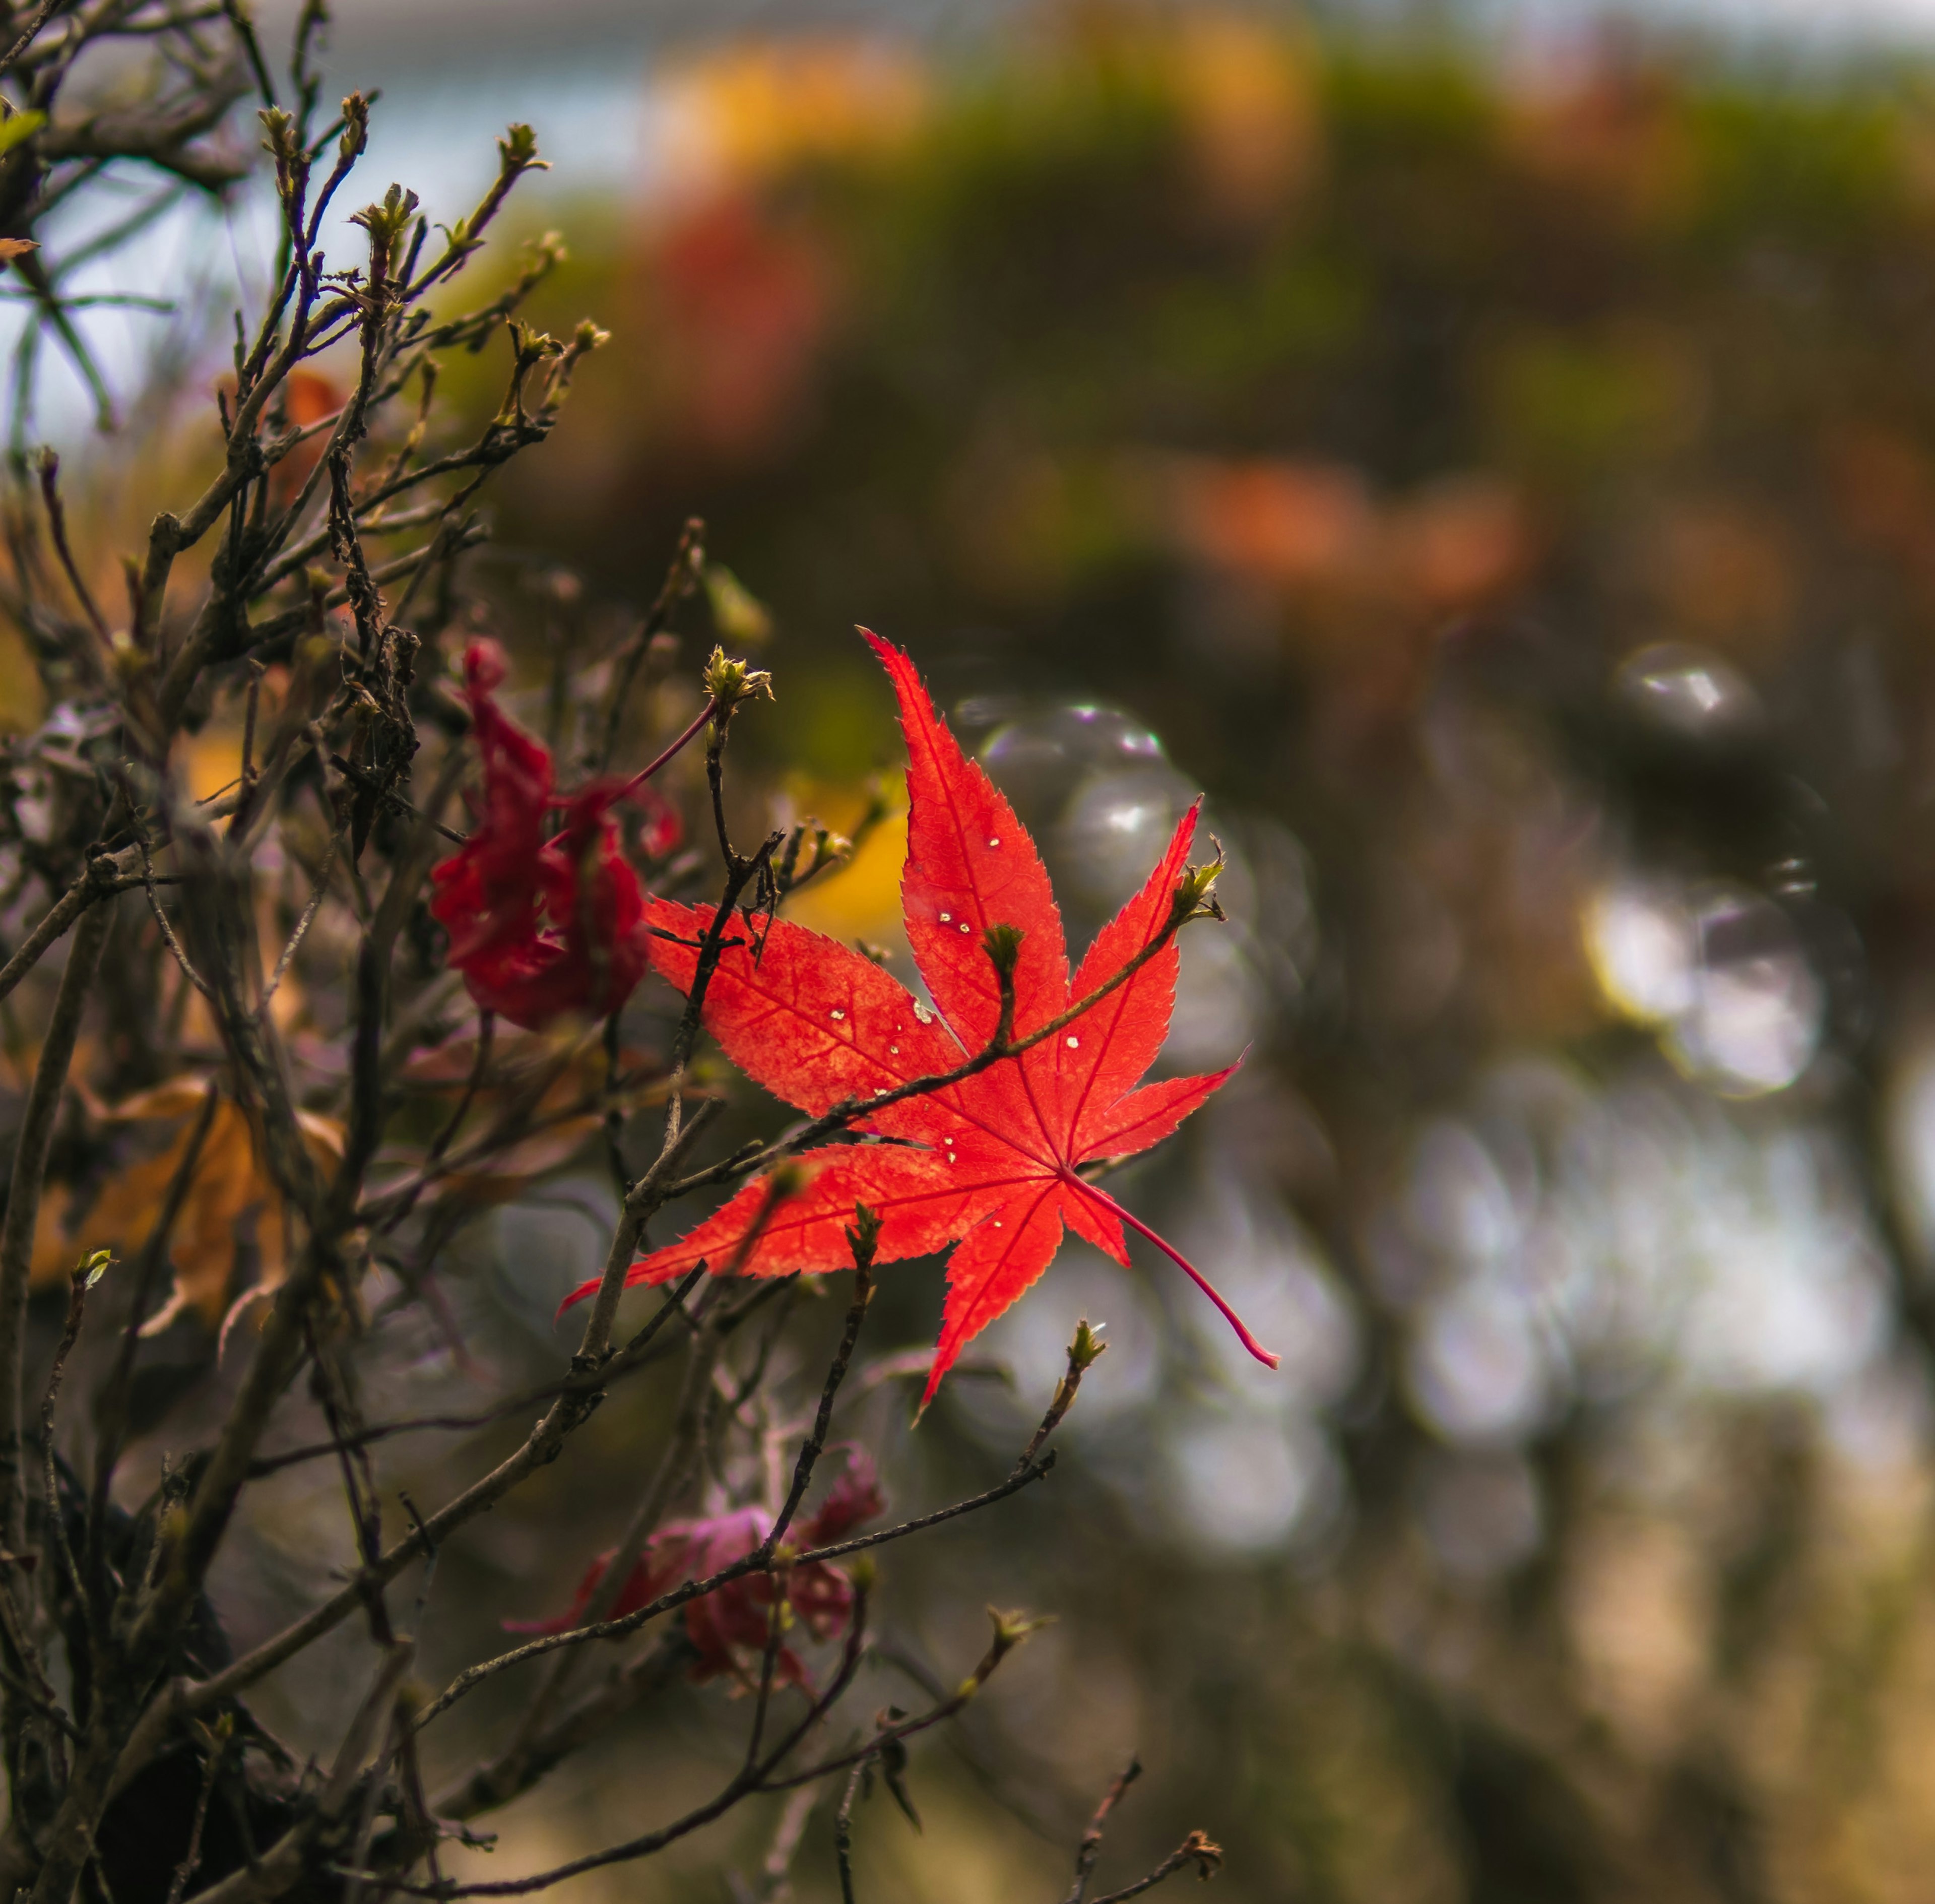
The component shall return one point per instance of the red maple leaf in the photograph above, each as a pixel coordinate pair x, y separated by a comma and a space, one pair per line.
990, 1166
542, 927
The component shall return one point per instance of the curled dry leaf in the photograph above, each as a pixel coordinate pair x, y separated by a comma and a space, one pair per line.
232, 1212
543, 926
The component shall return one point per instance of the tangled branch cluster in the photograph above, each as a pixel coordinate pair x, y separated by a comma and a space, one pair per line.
311, 595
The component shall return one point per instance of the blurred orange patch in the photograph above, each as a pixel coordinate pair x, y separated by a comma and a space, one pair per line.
1724, 573
1307, 528
756, 108
230, 1204
1252, 122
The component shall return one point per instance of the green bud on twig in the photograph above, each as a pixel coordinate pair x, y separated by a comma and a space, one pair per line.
281, 142
517, 152
532, 345
1087, 1349
1195, 898
728, 682
355, 129
1010, 1629
1003, 945
386, 224
863, 1234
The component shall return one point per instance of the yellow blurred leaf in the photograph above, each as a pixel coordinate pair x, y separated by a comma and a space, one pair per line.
15, 129
231, 1203
862, 900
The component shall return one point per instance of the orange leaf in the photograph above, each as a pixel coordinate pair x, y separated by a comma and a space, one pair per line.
231, 1203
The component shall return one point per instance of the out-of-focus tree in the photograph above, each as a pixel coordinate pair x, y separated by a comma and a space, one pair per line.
1511, 494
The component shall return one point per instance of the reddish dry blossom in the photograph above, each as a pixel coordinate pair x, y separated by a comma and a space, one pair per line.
990, 1167
540, 926
729, 1626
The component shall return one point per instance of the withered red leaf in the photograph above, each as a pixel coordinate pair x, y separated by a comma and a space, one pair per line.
540, 926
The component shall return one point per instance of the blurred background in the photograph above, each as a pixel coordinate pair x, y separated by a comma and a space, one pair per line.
1491, 450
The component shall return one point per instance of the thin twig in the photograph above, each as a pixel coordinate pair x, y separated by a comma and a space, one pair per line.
83, 1279
864, 1237
843, 1831
308, 919
191, 1857
36, 20
31, 1148
1091, 1840
117, 1395
680, 577
173, 945
370, 784
57, 526
1196, 1849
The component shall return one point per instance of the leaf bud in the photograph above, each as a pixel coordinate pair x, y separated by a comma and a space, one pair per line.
728, 682
863, 1571
1088, 1348
1003, 945
864, 1233
386, 224
281, 143
355, 129
1195, 895
533, 345
1010, 1629
92, 1268
517, 151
